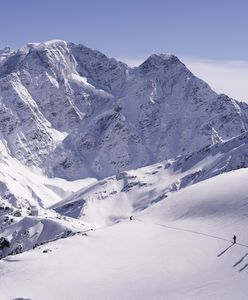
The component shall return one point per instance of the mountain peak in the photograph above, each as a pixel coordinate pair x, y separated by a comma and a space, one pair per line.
163, 57
157, 61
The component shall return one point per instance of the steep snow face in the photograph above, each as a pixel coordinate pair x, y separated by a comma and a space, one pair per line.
76, 113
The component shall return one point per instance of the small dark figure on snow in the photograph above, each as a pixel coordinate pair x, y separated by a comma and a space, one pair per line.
131, 218
234, 239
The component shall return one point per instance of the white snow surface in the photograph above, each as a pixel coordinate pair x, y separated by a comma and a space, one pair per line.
179, 248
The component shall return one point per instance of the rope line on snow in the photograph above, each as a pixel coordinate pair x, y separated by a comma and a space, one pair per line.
192, 231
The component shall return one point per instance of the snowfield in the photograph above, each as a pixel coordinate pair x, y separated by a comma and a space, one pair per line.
193, 258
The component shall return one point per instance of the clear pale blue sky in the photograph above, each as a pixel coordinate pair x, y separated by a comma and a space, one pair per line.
212, 29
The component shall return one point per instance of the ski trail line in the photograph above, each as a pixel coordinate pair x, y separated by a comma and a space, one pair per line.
191, 231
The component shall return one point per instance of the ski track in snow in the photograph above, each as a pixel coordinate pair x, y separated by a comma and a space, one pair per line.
194, 232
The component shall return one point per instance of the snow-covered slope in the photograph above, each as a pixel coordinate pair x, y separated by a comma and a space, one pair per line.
25, 195
115, 198
179, 248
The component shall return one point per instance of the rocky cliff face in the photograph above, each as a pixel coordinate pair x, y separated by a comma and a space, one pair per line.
76, 113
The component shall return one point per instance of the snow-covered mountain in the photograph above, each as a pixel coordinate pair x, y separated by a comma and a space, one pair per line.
86, 142
76, 113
